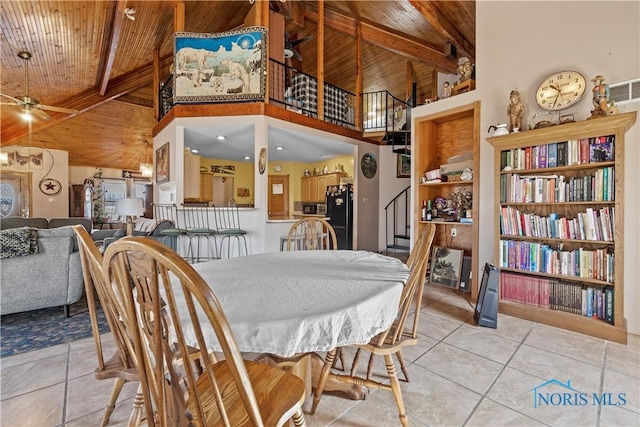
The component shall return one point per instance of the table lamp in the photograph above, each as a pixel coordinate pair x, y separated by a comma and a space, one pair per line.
129, 208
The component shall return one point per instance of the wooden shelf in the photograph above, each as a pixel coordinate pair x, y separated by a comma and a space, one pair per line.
615, 125
439, 137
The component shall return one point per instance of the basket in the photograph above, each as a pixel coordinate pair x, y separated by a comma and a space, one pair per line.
454, 176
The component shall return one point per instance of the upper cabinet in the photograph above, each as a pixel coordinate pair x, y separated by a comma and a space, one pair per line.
191, 176
559, 236
314, 187
449, 138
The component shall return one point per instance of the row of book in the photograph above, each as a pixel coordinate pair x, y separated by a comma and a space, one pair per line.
571, 297
566, 153
595, 264
593, 224
596, 187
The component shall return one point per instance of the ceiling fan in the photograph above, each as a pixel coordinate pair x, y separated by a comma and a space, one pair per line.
30, 106
289, 45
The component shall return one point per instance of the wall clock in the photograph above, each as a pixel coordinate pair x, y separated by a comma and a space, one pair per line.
369, 165
560, 90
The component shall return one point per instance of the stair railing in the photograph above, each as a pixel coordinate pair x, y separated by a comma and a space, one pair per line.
397, 210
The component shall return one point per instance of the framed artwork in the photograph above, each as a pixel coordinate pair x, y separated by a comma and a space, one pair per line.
229, 66
404, 166
162, 164
15, 194
446, 265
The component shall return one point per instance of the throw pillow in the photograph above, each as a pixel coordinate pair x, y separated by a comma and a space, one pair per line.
17, 242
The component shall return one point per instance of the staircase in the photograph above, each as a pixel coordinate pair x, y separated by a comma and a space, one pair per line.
397, 223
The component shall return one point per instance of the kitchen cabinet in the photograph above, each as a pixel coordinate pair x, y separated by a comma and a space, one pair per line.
313, 188
206, 187
191, 176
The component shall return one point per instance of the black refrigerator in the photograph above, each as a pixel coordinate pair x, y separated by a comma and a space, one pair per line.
339, 200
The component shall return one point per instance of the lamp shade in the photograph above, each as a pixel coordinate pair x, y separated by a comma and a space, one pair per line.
129, 207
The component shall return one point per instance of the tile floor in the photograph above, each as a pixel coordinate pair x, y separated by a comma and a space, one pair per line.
460, 375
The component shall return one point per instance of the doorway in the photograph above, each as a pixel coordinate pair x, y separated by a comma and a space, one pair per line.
278, 196
222, 190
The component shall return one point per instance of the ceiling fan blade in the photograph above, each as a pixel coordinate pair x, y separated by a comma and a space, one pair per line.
57, 109
296, 55
302, 40
39, 114
17, 101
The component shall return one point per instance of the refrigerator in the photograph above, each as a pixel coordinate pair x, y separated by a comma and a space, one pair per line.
339, 201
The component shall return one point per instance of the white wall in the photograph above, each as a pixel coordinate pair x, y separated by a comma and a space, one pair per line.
518, 45
55, 165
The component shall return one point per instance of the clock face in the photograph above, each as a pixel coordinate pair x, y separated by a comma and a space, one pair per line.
560, 90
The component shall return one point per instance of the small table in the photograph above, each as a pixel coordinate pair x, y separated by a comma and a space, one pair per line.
288, 303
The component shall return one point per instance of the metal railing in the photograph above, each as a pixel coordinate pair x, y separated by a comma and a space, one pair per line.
396, 215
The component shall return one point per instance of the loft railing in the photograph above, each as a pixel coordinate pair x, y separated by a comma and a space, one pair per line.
295, 91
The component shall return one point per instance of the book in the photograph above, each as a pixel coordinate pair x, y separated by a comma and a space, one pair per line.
542, 156
561, 159
601, 149
609, 311
552, 155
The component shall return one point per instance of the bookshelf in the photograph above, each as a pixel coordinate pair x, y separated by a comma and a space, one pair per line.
438, 137
560, 236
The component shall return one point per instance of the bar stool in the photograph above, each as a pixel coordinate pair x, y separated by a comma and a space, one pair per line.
197, 227
169, 212
228, 227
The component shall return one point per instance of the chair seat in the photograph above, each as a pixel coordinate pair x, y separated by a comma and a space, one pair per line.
236, 232
173, 232
268, 383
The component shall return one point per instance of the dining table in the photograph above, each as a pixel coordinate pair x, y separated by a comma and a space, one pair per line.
293, 303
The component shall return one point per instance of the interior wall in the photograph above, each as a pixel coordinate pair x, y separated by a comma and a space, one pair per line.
55, 165
609, 50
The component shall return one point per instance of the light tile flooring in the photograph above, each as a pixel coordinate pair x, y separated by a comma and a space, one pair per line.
460, 374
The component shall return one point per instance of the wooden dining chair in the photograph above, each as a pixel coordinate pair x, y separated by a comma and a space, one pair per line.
395, 338
311, 234
422, 248
119, 365
160, 296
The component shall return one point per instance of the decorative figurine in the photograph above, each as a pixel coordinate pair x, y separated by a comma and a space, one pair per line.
446, 90
515, 111
601, 94
465, 70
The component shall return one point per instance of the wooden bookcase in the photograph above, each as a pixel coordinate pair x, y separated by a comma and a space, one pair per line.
571, 232
437, 138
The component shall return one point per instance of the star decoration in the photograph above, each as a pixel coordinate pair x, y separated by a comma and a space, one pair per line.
50, 186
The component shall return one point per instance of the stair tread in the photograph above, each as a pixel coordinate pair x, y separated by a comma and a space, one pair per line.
401, 236
397, 247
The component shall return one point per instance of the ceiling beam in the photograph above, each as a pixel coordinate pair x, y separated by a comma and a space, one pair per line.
90, 99
111, 45
442, 25
386, 38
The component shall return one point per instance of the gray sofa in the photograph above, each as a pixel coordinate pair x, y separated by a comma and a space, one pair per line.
49, 278
147, 227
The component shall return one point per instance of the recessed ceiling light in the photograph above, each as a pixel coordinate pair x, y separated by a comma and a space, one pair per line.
220, 137
194, 150
280, 148
247, 158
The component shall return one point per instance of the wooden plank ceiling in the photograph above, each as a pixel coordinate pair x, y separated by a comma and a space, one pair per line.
86, 55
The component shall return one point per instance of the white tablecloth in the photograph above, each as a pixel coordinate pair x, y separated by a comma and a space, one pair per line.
304, 301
